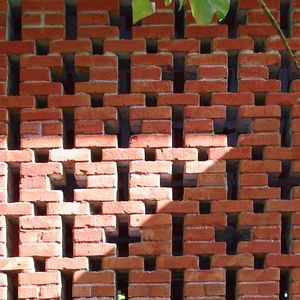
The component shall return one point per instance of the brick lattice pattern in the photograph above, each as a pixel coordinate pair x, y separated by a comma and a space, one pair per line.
160, 161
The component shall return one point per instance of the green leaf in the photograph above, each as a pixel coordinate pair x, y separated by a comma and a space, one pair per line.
204, 10
168, 2
121, 297
142, 9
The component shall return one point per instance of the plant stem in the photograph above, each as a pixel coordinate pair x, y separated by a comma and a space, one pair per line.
284, 41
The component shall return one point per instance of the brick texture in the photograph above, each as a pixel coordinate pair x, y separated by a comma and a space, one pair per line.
159, 161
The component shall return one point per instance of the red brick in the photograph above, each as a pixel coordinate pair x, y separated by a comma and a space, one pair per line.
211, 112
153, 32
137, 45
266, 166
231, 206
17, 47
177, 207
31, 19
199, 234
41, 88
248, 71
229, 153
161, 60
259, 139
123, 263
67, 264
41, 61
212, 72
266, 125
182, 262
122, 154
206, 59
179, 154
177, 99
198, 126
160, 126
233, 261
123, 208
256, 30
259, 219
124, 100
253, 179
270, 111
16, 264
209, 166
206, 31
205, 140
95, 88
90, 5
223, 44
39, 278
70, 46
259, 193
153, 73
44, 33
188, 45
35, 74
54, 19
150, 141
93, 18
259, 85
157, 276
258, 288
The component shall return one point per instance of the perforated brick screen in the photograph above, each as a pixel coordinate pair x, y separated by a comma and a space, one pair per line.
158, 161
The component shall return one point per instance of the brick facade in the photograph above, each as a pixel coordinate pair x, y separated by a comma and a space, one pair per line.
161, 161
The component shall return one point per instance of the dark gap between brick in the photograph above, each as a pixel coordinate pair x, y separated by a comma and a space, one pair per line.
39, 265
14, 138
122, 239
67, 285
204, 207
232, 179
13, 75
122, 283
230, 126
231, 282
12, 237
177, 284
285, 126
124, 80
14, 21
284, 288
204, 262
259, 261
68, 133
12, 286
70, 20
177, 235
150, 263
67, 239
232, 73
13, 184
123, 182
94, 264
179, 21
285, 233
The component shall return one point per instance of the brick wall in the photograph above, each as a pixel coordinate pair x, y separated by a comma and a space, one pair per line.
160, 161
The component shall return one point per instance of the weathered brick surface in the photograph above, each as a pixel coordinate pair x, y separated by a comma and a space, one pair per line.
159, 160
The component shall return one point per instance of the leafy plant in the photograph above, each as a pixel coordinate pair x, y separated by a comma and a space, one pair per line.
202, 10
